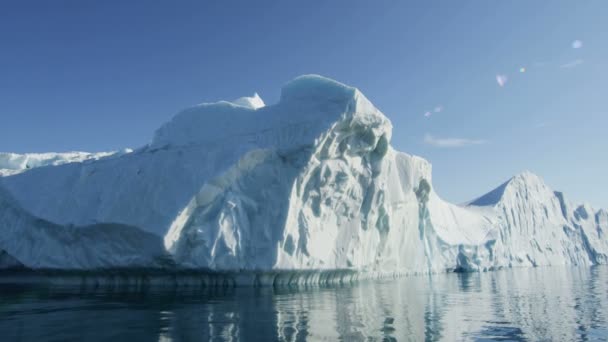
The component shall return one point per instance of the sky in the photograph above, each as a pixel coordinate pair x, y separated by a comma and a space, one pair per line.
482, 89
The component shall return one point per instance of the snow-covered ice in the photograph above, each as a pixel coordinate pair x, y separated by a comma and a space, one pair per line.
253, 102
310, 183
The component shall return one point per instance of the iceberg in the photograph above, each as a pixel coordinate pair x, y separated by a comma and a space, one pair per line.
304, 190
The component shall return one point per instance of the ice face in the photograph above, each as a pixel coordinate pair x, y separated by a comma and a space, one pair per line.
310, 183
37, 243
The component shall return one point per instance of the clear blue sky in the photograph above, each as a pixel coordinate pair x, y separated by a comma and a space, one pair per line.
102, 75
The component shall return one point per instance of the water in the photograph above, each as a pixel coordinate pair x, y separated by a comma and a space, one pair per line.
552, 304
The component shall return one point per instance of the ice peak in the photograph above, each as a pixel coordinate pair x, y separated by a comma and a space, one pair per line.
525, 181
527, 177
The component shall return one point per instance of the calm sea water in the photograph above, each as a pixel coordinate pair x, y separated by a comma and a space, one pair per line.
552, 304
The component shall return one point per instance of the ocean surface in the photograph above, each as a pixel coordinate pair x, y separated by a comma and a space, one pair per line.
536, 304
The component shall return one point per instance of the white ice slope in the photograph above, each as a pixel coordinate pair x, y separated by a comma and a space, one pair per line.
310, 183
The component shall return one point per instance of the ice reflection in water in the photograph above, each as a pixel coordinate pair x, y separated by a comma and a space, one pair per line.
527, 304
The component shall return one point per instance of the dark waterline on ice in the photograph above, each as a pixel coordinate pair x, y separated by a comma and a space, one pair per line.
556, 303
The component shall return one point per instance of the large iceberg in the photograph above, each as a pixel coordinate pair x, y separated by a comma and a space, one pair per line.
308, 184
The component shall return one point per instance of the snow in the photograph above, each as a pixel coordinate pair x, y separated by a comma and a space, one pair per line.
308, 184
253, 102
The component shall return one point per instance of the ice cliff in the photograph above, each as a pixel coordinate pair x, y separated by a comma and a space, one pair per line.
310, 183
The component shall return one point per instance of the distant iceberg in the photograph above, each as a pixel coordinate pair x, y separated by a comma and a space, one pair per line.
13, 163
300, 189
